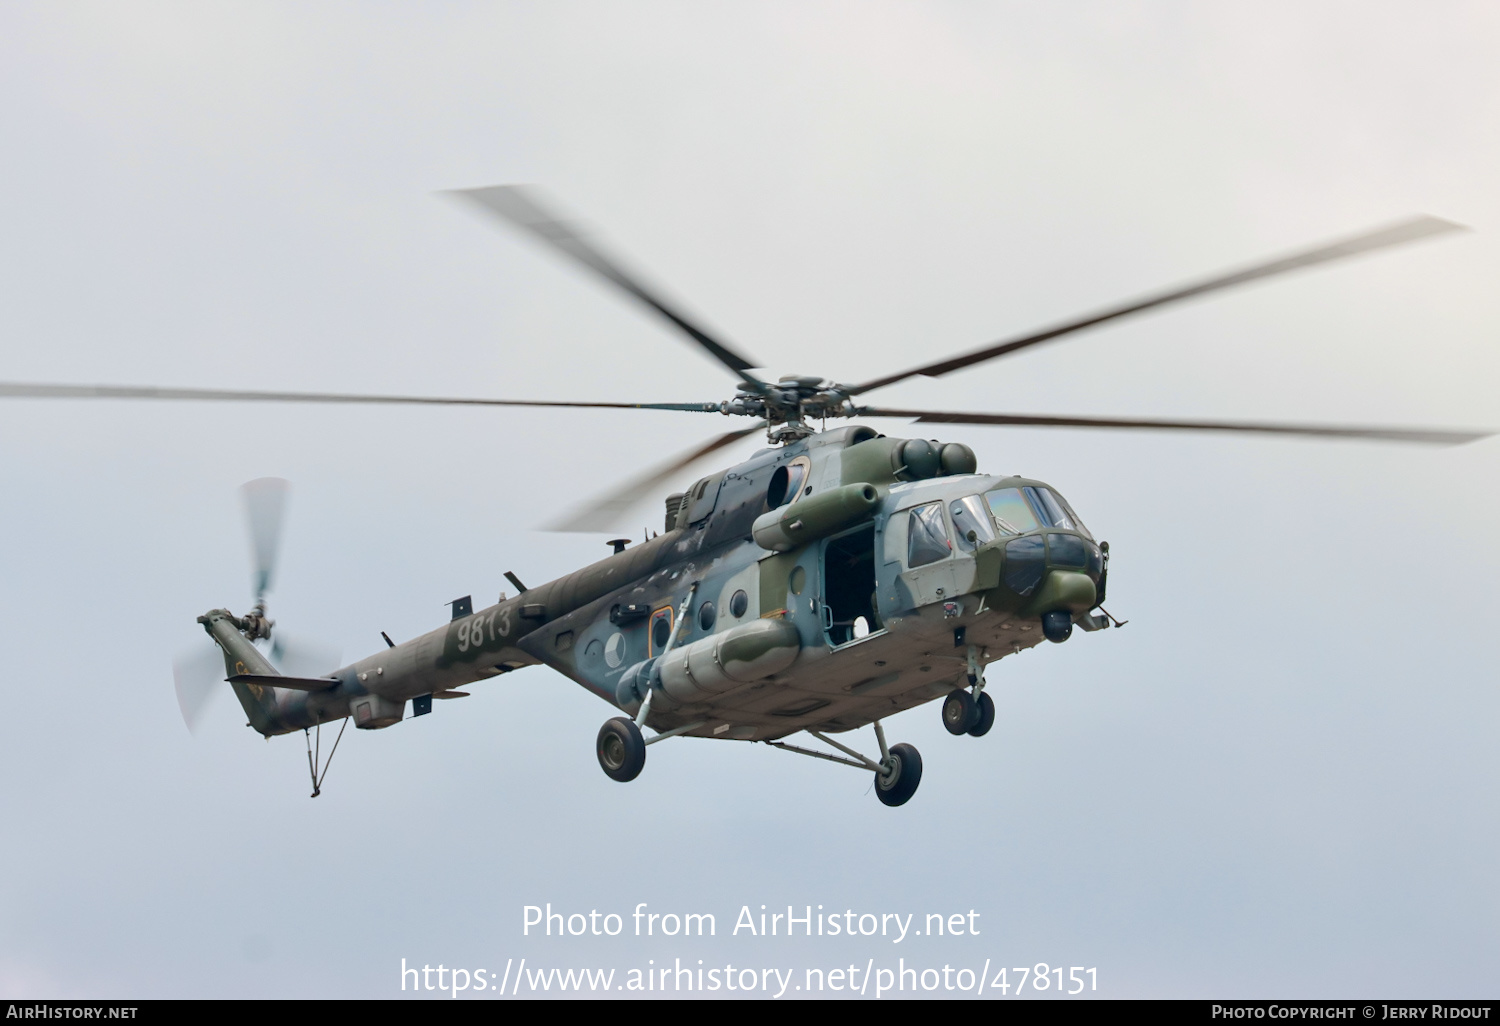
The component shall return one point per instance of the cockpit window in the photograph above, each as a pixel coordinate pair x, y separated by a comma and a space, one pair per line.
926, 535
971, 521
1067, 550
1053, 511
1074, 516
1012, 512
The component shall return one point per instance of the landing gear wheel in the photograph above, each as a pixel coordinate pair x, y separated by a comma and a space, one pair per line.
960, 713
986, 718
898, 780
622, 750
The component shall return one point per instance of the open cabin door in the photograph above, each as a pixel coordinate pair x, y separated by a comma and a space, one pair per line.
849, 607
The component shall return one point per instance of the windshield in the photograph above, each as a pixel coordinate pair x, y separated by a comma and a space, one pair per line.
1013, 514
1053, 510
1018, 510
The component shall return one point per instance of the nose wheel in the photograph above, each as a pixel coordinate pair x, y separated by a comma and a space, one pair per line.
986, 715
970, 710
960, 711
964, 714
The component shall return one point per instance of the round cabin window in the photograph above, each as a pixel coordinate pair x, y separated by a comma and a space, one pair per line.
739, 603
661, 631
797, 581
706, 616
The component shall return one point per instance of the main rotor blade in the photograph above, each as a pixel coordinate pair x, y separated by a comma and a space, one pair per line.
265, 503
1410, 230
521, 208
21, 390
603, 512
1423, 436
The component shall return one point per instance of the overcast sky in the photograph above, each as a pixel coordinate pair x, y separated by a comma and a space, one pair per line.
1280, 779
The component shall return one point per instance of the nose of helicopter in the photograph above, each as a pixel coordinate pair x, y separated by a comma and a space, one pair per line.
1064, 594
1069, 591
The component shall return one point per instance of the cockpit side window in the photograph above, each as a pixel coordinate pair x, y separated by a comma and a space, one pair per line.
972, 522
1013, 514
926, 535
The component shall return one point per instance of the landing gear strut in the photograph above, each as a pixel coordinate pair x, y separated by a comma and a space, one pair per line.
621, 747
897, 774
970, 712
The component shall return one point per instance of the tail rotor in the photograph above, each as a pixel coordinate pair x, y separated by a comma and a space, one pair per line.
265, 507
199, 673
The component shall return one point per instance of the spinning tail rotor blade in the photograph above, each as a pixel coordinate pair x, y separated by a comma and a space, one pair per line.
1421, 436
521, 207
604, 511
1410, 230
265, 502
198, 676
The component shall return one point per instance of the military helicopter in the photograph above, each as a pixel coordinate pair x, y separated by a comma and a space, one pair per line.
833, 579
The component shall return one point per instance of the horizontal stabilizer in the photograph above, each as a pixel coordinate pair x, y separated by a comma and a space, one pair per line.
271, 680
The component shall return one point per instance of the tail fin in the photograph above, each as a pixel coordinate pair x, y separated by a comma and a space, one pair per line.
241, 658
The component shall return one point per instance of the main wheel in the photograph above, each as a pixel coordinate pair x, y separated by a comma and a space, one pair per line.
959, 712
898, 781
986, 718
621, 749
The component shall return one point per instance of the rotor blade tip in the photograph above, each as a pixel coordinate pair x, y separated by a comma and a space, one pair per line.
1443, 224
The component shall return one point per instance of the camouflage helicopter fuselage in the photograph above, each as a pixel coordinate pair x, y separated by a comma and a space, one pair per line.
819, 586
748, 619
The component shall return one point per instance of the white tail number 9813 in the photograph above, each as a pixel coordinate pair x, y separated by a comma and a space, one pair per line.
476, 631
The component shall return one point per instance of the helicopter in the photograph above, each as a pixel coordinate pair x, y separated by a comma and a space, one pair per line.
835, 578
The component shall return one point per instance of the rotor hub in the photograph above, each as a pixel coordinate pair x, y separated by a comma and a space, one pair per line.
789, 404
256, 624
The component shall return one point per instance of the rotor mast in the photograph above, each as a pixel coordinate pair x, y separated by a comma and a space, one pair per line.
789, 404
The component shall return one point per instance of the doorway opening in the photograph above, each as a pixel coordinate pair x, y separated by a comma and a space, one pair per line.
849, 586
